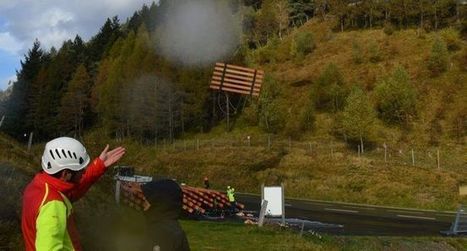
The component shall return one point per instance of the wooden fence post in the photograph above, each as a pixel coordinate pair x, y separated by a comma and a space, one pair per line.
385, 151
30, 141
437, 158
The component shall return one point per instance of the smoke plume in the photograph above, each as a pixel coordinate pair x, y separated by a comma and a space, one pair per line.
198, 32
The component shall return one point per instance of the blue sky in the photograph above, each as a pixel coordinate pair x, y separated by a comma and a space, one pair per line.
52, 22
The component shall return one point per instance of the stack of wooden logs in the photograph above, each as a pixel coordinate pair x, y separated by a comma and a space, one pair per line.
195, 200
199, 200
133, 196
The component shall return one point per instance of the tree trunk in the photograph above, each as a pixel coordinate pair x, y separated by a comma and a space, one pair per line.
342, 24
458, 11
361, 143
421, 20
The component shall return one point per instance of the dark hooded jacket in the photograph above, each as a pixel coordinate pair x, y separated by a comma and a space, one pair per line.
162, 227
156, 228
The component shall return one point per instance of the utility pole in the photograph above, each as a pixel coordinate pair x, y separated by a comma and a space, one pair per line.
228, 111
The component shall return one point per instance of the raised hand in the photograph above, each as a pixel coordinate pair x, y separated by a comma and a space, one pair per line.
110, 157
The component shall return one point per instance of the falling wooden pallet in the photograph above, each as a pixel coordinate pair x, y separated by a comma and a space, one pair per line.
237, 79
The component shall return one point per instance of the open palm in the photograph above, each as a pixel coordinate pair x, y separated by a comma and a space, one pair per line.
110, 157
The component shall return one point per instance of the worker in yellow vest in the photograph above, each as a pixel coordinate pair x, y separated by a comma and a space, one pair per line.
231, 197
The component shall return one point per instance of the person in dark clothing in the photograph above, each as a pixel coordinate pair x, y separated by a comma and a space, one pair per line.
206, 183
152, 224
163, 231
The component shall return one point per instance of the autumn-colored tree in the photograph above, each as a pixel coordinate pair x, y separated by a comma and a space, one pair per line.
75, 103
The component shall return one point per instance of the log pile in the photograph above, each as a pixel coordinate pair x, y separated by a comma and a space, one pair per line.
196, 201
200, 200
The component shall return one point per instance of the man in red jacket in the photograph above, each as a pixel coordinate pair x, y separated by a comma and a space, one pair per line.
47, 216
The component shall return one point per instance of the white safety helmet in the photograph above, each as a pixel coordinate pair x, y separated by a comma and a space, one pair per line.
64, 153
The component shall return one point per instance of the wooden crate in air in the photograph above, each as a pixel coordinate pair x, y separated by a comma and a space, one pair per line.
237, 79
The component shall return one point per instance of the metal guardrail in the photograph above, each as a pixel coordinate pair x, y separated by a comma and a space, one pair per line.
459, 226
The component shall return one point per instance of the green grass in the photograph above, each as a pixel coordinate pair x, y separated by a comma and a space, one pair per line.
235, 236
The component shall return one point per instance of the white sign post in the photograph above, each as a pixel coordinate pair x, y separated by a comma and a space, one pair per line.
275, 197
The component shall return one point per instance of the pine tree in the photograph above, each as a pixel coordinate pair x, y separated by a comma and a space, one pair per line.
330, 89
271, 117
358, 117
340, 9
18, 105
300, 11
38, 114
102, 41
439, 58
396, 98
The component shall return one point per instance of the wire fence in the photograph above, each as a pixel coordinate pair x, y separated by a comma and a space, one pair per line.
429, 157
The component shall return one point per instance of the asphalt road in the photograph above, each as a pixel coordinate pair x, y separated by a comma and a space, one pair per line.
361, 219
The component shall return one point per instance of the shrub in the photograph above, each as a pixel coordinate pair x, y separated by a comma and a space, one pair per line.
463, 29
330, 92
388, 28
438, 61
250, 114
267, 53
457, 116
358, 117
307, 116
463, 60
271, 118
357, 53
302, 44
374, 53
451, 37
396, 98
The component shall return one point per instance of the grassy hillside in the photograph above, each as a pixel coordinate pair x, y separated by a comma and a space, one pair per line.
378, 54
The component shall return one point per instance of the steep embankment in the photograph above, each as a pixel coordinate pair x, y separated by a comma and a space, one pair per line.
365, 58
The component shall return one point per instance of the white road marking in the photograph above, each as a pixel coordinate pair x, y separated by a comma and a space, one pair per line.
446, 215
341, 210
415, 217
321, 204
404, 211
364, 208
287, 205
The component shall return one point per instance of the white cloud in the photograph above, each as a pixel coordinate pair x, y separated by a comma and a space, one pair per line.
9, 43
54, 17
52, 21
